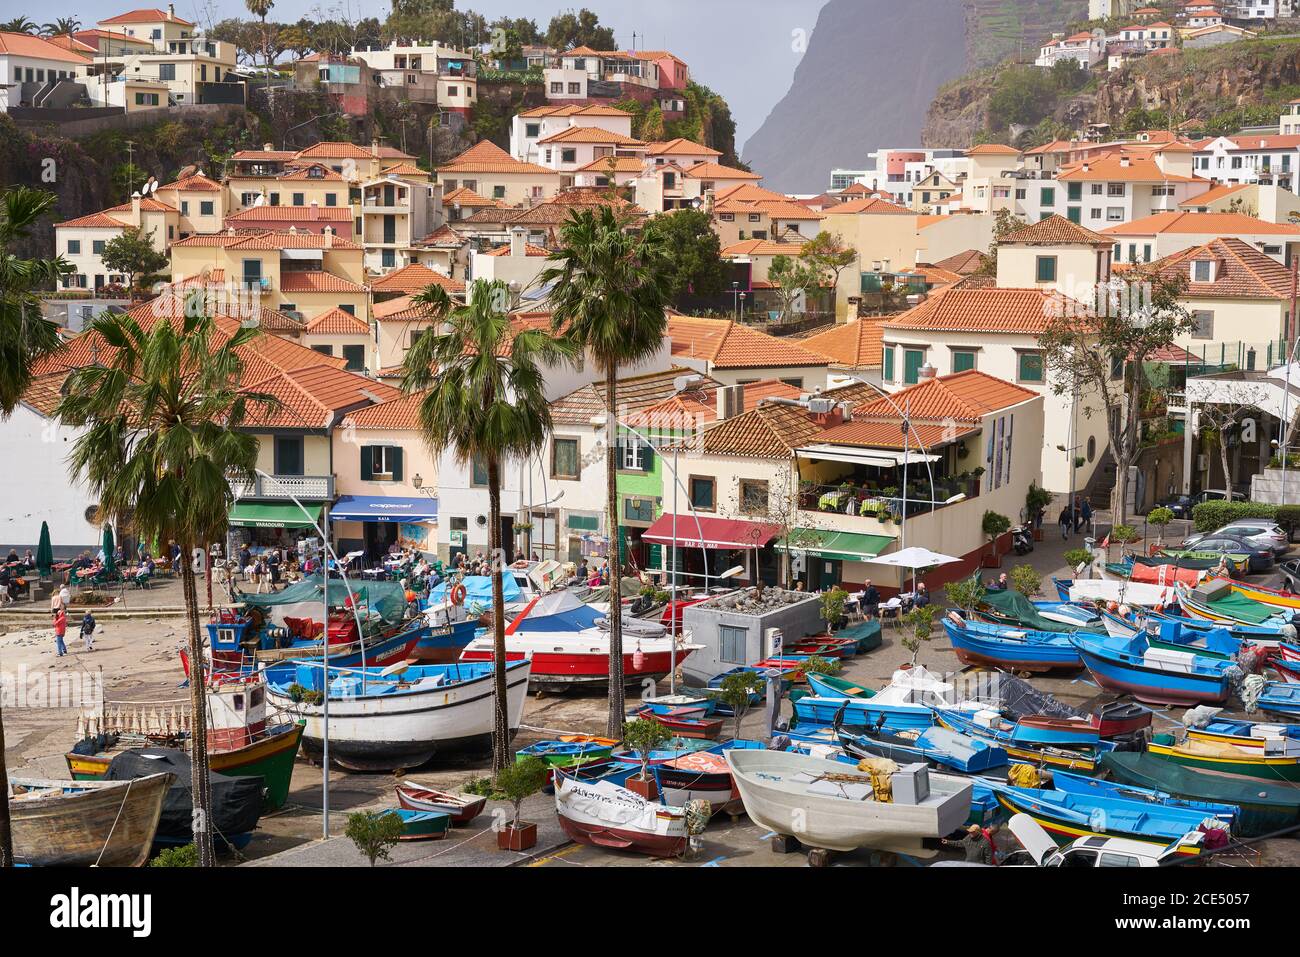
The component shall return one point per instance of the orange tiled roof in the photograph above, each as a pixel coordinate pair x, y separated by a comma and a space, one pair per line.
727, 344
413, 278
486, 157
963, 309
1212, 224
316, 280
853, 345
337, 322
1055, 230
1241, 271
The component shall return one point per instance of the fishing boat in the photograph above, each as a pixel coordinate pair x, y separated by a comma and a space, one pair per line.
603, 814
830, 686
825, 805
1040, 730
568, 644
1079, 784
1117, 718
998, 646
702, 776
85, 823
241, 742
1067, 816
991, 727
684, 722
1209, 755
421, 825
1154, 675
1264, 806
1259, 736
382, 721
1278, 697
937, 747
461, 808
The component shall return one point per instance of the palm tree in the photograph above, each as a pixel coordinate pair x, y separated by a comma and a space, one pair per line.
18, 25
25, 336
262, 9
161, 414
611, 289
485, 402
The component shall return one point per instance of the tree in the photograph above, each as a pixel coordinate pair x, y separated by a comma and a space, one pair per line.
25, 337
161, 416
373, 833
484, 402
132, 253
610, 290
793, 279
919, 621
692, 249
827, 254
1100, 355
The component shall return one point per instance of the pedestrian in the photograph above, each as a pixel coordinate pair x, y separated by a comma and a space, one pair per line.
60, 629
88, 627
1065, 521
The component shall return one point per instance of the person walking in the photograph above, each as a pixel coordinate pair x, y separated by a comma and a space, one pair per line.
60, 629
88, 627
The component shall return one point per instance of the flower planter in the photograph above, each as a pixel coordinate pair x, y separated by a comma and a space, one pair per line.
648, 788
521, 838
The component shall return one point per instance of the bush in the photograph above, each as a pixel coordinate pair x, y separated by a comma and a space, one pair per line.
1209, 516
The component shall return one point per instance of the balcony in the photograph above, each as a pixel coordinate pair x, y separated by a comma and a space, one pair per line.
316, 488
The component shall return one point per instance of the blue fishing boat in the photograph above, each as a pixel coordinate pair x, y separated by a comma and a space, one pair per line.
1015, 649
935, 746
1154, 675
1279, 697
1068, 816
1078, 784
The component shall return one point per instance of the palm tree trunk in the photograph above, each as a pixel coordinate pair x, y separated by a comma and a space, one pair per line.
200, 787
500, 718
616, 702
6, 835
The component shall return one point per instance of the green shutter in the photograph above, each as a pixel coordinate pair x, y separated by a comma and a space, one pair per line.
367, 464
396, 452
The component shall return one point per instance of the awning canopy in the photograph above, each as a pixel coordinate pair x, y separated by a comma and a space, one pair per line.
880, 458
268, 515
704, 532
382, 508
836, 546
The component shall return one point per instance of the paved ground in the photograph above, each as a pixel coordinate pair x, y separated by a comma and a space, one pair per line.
137, 660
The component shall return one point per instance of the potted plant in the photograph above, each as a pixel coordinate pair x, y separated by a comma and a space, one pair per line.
993, 525
736, 692
642, 736
514, 783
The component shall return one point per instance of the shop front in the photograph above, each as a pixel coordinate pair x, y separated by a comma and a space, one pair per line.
708, 546
373, 523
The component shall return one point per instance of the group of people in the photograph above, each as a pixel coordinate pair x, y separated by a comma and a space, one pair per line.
1075, 517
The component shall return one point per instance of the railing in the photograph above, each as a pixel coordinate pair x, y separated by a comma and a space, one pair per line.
315, 487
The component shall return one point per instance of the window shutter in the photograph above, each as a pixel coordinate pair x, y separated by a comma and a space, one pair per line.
395, 452
367, 464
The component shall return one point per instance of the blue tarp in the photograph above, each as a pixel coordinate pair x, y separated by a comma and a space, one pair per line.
478, 588
382, 508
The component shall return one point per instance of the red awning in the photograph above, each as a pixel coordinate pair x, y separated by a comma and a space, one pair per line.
703, 532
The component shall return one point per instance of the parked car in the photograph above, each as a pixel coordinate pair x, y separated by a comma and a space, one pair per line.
1263, 531
1261, 556
1182, 505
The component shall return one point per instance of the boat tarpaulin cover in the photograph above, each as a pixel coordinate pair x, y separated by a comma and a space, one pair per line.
303, 599
236, 802
1012, 604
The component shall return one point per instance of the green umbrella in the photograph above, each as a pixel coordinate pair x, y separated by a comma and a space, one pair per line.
44, 551
110, 565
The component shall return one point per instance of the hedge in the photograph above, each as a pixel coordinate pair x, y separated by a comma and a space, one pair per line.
1209, 516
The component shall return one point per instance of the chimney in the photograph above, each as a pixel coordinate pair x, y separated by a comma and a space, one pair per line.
518, 243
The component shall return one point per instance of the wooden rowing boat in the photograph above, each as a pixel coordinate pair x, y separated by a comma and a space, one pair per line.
85, 823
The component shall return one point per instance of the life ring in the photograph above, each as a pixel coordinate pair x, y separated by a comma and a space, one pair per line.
457, 594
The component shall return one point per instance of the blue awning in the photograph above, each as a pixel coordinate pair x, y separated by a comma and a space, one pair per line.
383, 508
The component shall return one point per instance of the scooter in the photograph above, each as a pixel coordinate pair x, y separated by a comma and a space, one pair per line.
1022, 539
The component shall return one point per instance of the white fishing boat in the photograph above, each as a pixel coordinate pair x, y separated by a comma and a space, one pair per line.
568, 643
827, 804
605, 815
385, 720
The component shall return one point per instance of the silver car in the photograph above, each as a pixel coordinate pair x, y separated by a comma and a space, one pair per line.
1259, 532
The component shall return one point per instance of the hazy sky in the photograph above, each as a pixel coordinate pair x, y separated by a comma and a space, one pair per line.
744, 49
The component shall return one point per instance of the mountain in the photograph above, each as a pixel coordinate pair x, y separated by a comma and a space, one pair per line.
873, 67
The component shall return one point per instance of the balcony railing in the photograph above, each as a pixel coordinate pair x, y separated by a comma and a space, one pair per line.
285, 487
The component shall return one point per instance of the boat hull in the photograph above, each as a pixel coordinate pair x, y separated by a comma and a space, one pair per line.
108, 824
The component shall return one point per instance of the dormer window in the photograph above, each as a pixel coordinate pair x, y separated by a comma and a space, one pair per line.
1203, 270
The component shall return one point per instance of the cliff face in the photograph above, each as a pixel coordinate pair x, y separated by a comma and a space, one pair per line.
872, 68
